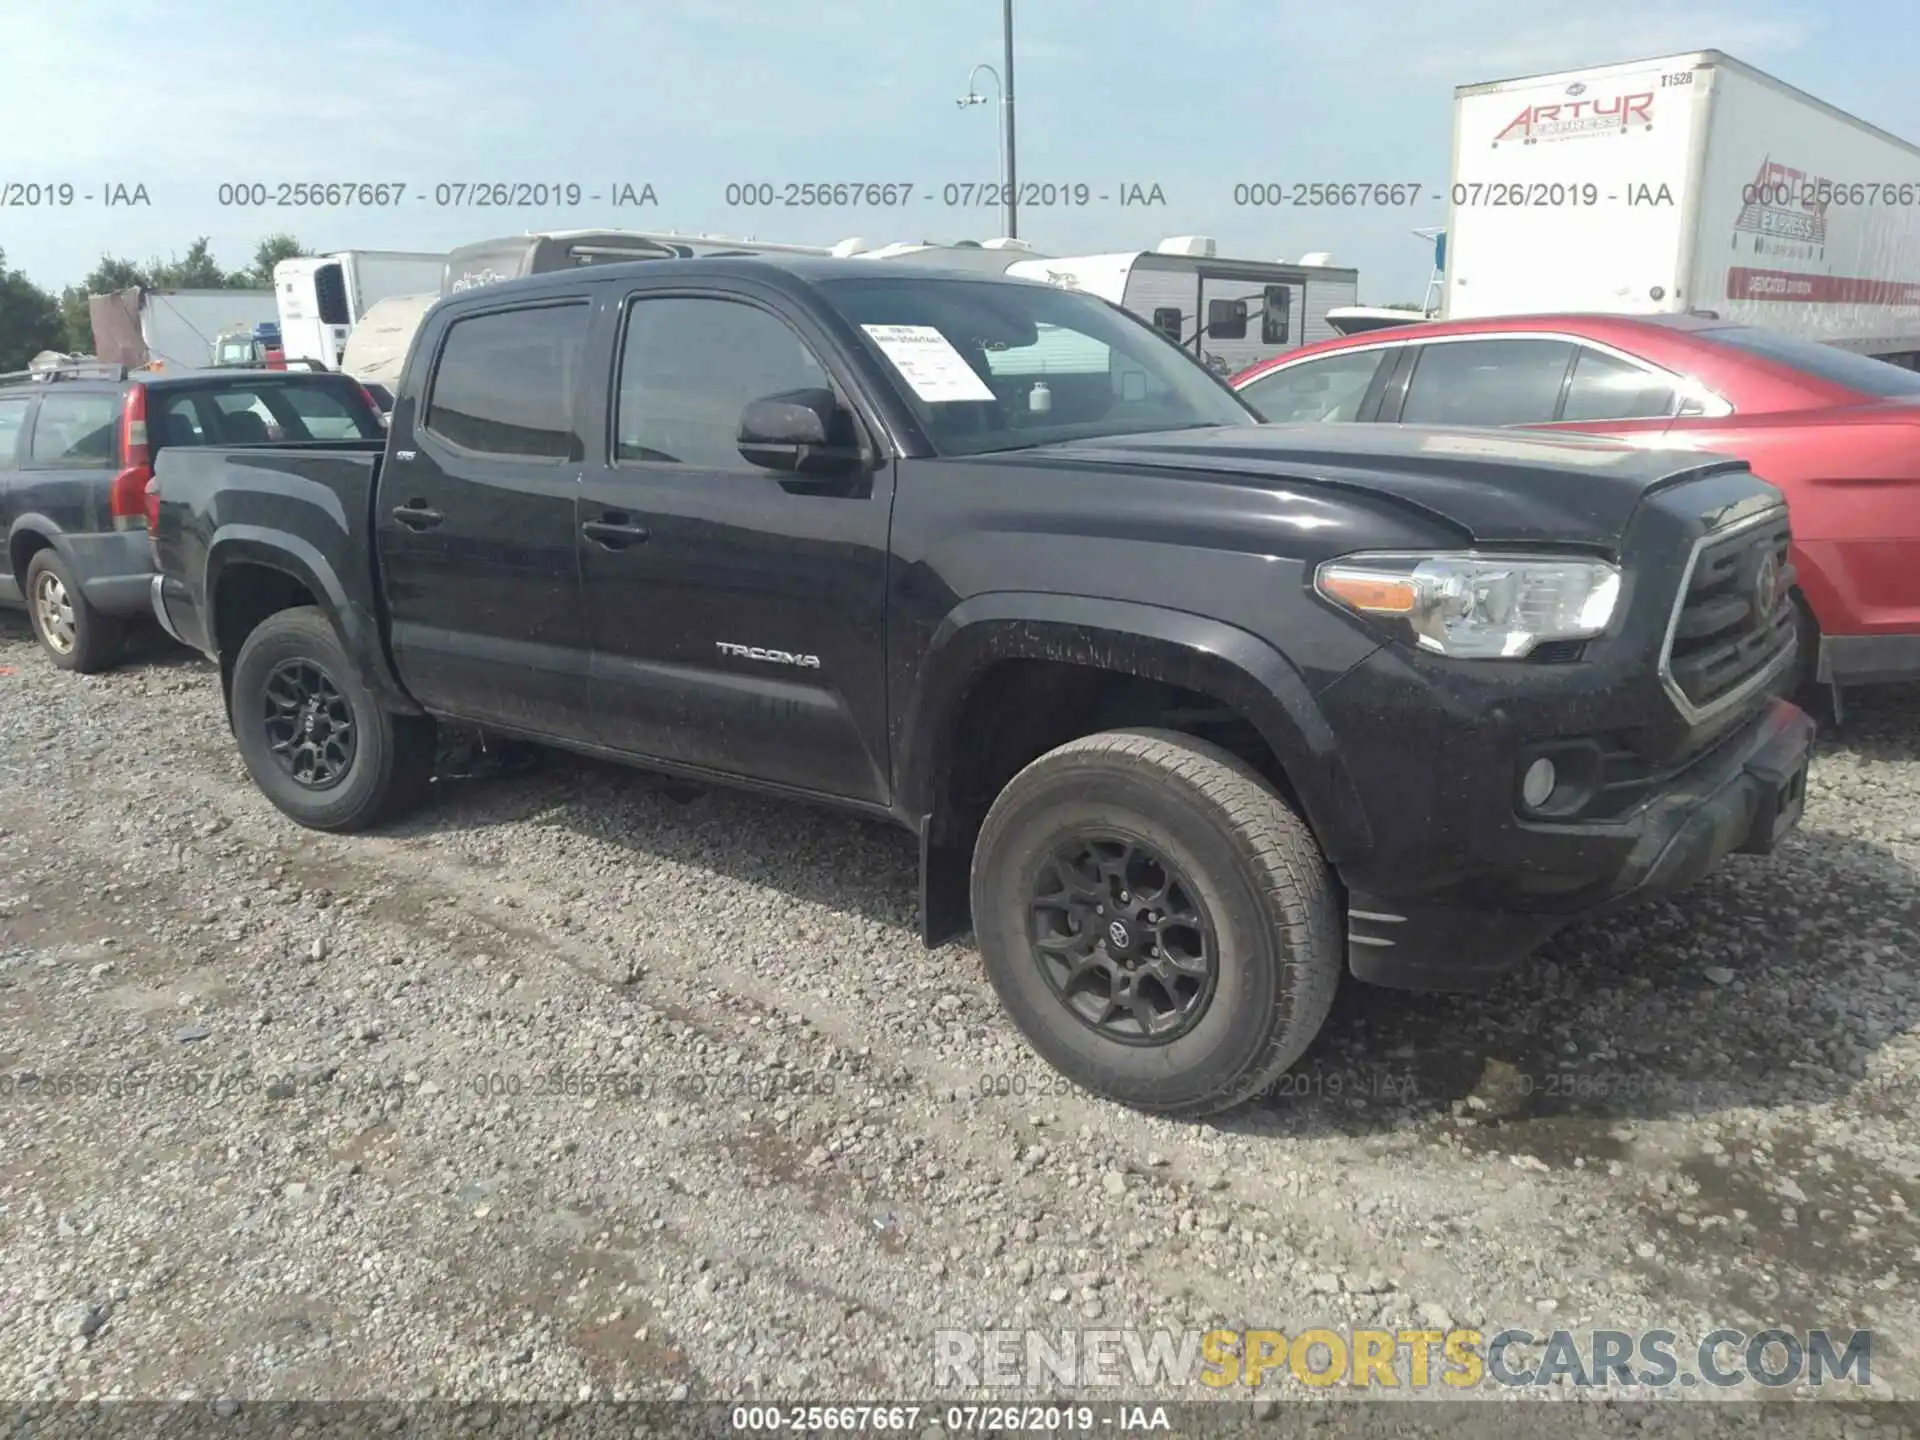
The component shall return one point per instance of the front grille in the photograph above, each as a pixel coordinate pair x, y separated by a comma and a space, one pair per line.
1722, 644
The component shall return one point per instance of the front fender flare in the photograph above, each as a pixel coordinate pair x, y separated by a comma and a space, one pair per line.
1220, 660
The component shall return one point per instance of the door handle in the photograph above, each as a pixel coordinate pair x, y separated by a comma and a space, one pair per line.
615, 532
416, 516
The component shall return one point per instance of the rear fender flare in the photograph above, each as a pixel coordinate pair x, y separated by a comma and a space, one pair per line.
41, 529
359, 632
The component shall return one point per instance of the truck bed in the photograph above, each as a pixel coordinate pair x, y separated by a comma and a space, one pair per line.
214, 500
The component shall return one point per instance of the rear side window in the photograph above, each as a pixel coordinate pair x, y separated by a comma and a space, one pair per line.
1837, 367
1604, 388
1487, 382
264, 414
505, 383
13, 419
76, 429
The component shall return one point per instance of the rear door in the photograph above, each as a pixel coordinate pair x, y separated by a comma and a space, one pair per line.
474, 520
15, 410
68, 459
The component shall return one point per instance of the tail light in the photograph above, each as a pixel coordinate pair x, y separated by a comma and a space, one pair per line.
275, 356
127, 499
372, 404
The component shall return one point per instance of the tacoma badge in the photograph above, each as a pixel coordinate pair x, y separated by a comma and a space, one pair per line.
776, 657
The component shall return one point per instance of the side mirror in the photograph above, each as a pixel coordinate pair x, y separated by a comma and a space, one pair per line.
800, 431
1226, 319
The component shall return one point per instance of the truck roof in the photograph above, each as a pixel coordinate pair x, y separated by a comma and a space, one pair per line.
808, 269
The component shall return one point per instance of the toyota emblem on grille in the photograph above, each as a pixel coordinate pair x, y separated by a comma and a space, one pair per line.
1766, 586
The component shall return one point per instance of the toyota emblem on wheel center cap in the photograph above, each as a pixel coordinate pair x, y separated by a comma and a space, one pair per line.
1119, 934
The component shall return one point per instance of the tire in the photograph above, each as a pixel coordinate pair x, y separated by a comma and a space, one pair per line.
1819, 698
374, 770
1254, 872
75, 636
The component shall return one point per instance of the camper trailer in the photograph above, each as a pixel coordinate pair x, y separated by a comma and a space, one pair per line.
320, 298
1231, 313
376, 351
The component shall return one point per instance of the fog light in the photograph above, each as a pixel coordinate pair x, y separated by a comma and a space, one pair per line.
1536, 786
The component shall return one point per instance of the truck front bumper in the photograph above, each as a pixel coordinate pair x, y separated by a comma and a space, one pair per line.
1531, 878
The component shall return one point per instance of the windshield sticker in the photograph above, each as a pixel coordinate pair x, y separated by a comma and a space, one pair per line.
927, 361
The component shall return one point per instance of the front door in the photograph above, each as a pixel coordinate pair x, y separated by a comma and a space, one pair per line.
475, 522
737, 614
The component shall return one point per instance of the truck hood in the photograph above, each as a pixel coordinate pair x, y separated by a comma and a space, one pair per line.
1498, 486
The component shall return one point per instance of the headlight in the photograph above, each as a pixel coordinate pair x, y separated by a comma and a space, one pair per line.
1475, 606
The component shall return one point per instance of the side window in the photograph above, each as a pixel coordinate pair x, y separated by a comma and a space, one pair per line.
1276, 315
690, 366
1487, 382
317, 411
76, 429
506, 381
245, 419
1329, 389
13, 419
1604, 388
177, 424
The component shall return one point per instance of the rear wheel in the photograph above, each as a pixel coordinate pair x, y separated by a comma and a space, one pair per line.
313, 737
1156, 920
75, 636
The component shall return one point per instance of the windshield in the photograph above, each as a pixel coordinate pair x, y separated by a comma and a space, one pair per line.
992, 366
1837, 367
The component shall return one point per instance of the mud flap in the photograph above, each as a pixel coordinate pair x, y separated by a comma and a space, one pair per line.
946, 906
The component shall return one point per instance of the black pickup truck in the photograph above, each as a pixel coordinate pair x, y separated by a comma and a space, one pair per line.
1189, 713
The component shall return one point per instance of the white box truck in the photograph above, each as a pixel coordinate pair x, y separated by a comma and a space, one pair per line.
322, 297
1689, 182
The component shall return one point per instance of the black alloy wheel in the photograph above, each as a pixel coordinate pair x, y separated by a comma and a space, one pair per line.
1122, 938
309, 724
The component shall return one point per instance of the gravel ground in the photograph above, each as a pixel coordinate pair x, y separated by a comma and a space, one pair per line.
586, 1084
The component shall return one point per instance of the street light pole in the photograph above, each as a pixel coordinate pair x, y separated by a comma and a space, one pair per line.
973, 97
1006, 101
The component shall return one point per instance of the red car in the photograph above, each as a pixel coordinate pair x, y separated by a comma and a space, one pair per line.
1838, 432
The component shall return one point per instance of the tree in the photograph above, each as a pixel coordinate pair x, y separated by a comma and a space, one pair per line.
269, 253
196, 270
29, 319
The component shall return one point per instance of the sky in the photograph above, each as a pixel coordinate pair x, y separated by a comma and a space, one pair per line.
691, 96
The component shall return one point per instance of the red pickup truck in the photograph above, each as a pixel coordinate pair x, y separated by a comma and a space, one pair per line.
1839, 433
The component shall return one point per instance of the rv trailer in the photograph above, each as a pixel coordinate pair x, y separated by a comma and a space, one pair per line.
1230, 312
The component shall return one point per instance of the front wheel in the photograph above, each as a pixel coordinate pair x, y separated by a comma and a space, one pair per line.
313, 737
1158, 923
